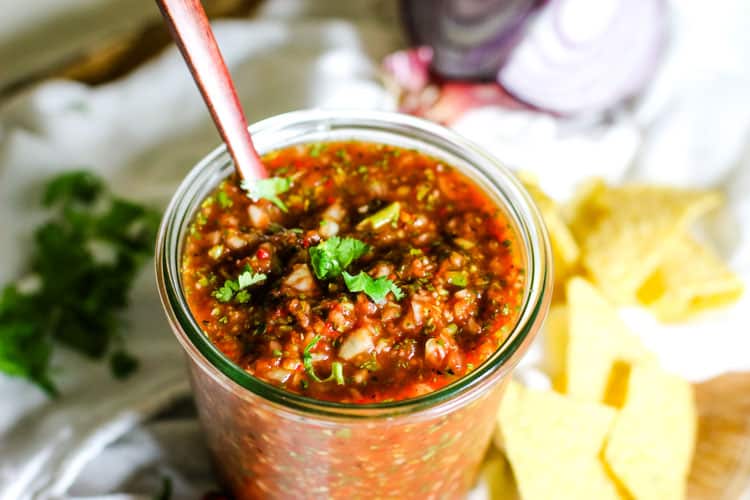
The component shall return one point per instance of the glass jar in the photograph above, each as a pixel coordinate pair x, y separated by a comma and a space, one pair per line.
269, 443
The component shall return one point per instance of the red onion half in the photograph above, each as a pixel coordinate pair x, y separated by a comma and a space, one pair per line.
470, 39
585, 55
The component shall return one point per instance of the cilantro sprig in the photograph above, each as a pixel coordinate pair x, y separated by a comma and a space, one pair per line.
331, 257
83, 262
268, 189
374, 288
235, 289
337, 369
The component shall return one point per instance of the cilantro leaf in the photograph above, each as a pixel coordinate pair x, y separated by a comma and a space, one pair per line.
224, 200
76, 186
457, 278
122, 364
331, 257
376, 289
227, 291
85, 258
242, 297
337, 369
317, 148
166, 489
25, 347
268, 189
248, 277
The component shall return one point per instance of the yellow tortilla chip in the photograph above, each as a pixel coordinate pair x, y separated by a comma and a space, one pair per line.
498, 476
555, 335
650, 447
553, 444
597, 340
565, 251
690, 279
626, 232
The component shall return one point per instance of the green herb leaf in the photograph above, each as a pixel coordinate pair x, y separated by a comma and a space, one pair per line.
122, 364
331, 257
166, 489
382, 217
268, 189
371, 365
77, 186
458, 278
225, 293
85, 259
224, 200
376, 289
317, 148
248, 278
337, 372
242, 297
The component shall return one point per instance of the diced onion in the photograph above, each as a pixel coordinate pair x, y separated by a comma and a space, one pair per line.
357, 342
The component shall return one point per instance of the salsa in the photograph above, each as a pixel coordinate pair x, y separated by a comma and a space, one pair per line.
358, 273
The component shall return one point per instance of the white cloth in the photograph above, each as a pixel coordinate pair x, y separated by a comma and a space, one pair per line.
145, 131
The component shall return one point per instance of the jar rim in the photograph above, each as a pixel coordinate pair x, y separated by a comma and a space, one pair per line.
288, 127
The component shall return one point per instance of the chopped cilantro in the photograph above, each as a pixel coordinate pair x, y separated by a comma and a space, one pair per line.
84, 259
337, 369
166, 489
317, 148
225, 293
235, 289
122, 364
268, 189
371, 365
248, 277
277, 352
243, 297
458, 278
376, 289
331, 257
337, 372
224, 200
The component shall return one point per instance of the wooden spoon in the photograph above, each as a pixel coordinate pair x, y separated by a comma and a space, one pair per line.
192, 33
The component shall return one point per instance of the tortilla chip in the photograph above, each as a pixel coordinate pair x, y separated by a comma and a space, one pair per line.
690, 279
555, 335
651, 443
565, 251
597, 340
498, 476
553, 444
626, 232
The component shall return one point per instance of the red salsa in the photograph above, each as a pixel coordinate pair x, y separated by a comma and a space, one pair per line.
358, 273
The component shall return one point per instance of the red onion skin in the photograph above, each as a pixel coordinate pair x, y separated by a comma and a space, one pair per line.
423, 21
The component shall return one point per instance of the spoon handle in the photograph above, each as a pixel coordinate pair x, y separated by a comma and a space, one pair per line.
192, 33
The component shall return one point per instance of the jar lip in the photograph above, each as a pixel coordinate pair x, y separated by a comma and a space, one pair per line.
529, 222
